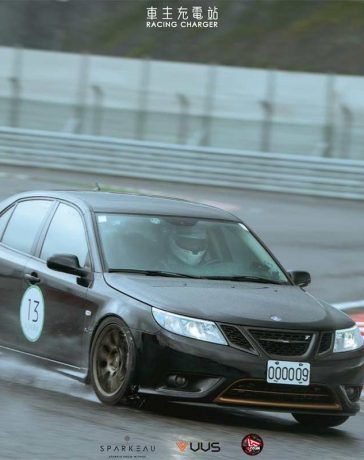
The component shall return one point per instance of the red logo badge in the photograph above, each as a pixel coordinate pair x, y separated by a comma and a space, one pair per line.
182, 445
252, 444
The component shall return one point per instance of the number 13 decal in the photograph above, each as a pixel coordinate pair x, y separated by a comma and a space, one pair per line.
32, 311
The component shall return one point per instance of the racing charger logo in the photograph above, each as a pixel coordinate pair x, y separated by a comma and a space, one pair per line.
198, 446
252, 444
183, 17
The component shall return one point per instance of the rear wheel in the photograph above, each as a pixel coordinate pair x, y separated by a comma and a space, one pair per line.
112, 361
320, 421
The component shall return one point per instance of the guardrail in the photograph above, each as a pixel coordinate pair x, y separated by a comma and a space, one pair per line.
187, 164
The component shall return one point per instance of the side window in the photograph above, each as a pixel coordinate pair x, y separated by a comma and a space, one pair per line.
25, 224
66, 235
4, 220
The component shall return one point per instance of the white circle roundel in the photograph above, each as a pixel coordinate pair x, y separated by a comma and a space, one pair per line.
32, 313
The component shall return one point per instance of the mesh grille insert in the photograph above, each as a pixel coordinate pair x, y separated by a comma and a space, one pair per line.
236, 337
325, 342
282, 343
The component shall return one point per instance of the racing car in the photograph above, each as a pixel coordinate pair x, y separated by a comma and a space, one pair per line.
147, 296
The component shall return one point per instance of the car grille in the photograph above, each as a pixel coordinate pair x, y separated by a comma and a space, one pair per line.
259, 393
237, 338
282, 343
325, 342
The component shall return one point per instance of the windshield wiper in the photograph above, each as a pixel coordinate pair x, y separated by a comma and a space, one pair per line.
253, 279
151, 273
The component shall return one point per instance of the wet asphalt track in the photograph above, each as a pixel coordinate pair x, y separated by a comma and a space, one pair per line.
44, 415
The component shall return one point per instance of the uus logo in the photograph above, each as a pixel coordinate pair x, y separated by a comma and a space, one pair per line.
198, 446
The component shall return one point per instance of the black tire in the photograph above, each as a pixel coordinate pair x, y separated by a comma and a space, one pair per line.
112, 361
320, 421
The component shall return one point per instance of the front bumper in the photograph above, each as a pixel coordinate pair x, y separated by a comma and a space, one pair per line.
224, 375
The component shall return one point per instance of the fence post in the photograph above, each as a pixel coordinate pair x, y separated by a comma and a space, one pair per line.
329, 122
268, 109
15, 88
143, 99
184, 104
81, 95
97, 107
209, 104
346, 137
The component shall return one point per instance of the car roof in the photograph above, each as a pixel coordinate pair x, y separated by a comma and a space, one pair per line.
129, 203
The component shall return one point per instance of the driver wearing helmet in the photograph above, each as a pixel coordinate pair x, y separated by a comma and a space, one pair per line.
187, 246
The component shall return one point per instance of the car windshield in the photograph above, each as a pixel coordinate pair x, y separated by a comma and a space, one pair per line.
186, 247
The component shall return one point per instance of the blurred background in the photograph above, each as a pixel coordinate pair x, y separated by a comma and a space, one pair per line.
272, 99
275, 76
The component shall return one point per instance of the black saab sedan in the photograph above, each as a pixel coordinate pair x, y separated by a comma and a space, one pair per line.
149, 296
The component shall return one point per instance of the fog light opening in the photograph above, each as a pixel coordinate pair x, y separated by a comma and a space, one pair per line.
177, 381
353, 392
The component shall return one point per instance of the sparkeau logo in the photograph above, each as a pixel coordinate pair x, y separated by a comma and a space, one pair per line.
199, 446
252, 444
185, 17
127, 449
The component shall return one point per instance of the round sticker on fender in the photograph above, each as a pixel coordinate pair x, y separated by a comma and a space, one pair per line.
32, 313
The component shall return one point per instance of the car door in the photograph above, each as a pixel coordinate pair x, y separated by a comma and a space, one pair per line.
20, 225
58, 298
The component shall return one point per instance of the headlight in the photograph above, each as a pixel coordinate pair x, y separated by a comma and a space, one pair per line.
189, 327
348, 339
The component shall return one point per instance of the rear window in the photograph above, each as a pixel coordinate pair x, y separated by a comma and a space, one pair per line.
4, 220
25, 224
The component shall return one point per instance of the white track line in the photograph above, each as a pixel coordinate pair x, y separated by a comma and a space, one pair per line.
347, 305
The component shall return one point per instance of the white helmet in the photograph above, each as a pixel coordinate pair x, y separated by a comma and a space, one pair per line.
189, 243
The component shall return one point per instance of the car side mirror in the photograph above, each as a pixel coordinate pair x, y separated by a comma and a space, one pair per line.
66, 263
300, 278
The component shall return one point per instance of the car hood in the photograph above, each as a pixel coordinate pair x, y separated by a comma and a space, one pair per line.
243, 303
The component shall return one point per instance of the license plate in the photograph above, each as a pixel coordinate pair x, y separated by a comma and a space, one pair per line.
288, 372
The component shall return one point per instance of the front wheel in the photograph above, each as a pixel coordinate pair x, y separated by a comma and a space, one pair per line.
320, 421
112, 361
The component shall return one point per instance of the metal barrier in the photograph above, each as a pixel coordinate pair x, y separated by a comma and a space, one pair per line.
187, 164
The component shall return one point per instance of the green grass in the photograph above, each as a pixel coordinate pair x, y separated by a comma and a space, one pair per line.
306, 35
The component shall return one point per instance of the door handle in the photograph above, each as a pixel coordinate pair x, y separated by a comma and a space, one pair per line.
32, 278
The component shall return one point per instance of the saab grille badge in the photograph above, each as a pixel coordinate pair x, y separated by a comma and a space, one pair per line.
276, 318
